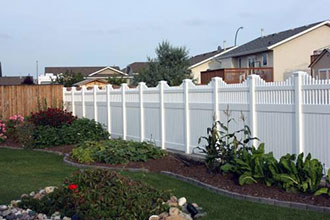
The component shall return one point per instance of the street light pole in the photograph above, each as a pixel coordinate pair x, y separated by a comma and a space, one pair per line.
237, 34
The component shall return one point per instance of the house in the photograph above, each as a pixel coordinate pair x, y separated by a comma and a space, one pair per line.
274, 57
16, 80
101, 72
205, 61
320, 64
89, 83
135, 68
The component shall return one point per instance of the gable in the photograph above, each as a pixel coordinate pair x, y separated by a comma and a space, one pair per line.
106, 73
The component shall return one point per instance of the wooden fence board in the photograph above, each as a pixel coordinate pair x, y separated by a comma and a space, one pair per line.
24, 99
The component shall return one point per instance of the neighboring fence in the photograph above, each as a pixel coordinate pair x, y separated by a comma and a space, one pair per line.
24, 99
290, 117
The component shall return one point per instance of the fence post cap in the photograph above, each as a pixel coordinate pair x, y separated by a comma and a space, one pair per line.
217, 78
253, 76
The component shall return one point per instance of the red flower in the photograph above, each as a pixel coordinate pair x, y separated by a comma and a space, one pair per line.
73, 187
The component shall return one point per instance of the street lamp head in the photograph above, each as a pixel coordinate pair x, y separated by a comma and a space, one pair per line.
237, 34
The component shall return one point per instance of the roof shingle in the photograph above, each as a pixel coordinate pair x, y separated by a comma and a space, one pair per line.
262, 43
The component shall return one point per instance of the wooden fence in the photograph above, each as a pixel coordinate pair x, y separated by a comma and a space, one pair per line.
24, 99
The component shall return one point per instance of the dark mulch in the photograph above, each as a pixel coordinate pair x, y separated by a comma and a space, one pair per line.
197, 170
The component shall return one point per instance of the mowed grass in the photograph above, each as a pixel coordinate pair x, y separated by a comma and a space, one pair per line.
23, 171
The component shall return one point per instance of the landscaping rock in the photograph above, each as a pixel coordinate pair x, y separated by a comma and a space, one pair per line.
174, 211
49, 189
154, 217
182, 201
175, 217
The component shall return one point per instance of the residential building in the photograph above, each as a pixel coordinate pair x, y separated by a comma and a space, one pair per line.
15, 80
320, 64
101, 72
135, 68
89, 83
205, 61
274, 57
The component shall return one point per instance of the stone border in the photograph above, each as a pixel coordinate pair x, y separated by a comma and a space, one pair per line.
262, 200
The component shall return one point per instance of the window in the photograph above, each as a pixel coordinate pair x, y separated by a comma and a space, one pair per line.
323, 74
239, 62
264, 59
251, 62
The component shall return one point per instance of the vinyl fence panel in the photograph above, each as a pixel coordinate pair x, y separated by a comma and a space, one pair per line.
289, 117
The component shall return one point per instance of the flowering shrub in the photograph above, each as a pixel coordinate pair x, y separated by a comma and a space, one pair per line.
3, 131
100, 194
53, 117
12, 124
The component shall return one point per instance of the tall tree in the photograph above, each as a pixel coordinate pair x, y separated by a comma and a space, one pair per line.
170, 65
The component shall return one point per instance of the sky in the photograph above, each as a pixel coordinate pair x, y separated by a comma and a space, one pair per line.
106, 32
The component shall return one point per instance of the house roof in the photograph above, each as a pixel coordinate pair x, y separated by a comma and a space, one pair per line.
84, 82
12, 80
270, 41
325, 51
201, 58
85, 71
135, 67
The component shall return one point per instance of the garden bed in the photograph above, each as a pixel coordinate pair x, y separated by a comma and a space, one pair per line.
197, 170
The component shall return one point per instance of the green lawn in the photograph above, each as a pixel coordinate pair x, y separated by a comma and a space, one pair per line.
23, 171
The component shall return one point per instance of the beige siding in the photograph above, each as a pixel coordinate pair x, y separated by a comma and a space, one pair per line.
295, 54
209, 65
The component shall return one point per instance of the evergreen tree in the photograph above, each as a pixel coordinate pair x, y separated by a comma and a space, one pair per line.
170, 65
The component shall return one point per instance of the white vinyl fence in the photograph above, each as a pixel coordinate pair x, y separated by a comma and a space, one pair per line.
289, 117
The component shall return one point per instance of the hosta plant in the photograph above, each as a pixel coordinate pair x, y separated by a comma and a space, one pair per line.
324, 190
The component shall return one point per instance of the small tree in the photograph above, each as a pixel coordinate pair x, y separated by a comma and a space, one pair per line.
170, 65
28, 80
116, 80
68, 78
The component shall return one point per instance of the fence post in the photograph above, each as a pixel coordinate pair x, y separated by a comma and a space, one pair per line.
141, 86
298, 111
186, 84
252, 106
83, 90
73, 109
108, 89
123, 100
95, 87
216, 81
162, 114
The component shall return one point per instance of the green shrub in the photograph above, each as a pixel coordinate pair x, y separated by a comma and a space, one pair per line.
25, 134
79, 131
101, 194
116, 151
